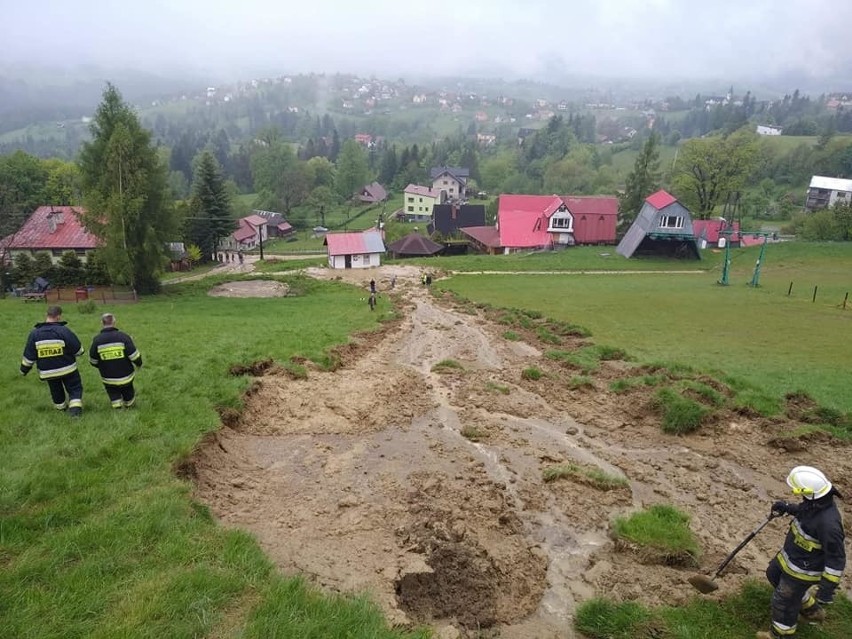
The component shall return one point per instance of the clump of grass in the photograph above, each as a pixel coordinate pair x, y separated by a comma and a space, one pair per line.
580, 381
546, 336
704, 393
622, 385
447, 365
532, 373
661, 528
594, 477
566, 329
295, 370
472, 433
609, 353
586, 359
512, 336
497, 388
556, 355
88, 307
506, 319
532, 314
681, 415
602, 619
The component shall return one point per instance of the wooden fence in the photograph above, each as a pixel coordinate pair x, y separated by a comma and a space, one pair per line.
100, 294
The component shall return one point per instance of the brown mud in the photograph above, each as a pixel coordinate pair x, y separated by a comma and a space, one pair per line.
424, 486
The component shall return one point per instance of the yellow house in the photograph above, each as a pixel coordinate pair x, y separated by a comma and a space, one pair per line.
418, 203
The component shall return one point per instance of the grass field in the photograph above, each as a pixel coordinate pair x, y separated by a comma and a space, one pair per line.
778, 342
98, 537
581, 258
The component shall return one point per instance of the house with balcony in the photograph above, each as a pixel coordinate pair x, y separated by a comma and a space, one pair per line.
825, 192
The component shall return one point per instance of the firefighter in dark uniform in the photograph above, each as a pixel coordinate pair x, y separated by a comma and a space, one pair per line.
114, 355
807, 570
53, 348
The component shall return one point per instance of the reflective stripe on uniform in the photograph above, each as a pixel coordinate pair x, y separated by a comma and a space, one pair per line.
832, 575
27, 362
58, 372
75, 403
118, 381
80, 352
50, 348
803, 539
61, 406
130, 402
117, 403
794, 571
112, 350
781, 629
93, 361
134, 356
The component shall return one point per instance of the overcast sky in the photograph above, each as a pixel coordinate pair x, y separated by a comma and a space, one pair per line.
617, 38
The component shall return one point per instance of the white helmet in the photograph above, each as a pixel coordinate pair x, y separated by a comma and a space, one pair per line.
808, 482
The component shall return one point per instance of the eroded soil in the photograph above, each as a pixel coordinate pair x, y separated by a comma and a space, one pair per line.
425, 488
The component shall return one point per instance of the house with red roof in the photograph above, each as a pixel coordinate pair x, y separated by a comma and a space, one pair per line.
663, 227
418, 202
355, 250
251, 231
534, 222
52, 230
716, 232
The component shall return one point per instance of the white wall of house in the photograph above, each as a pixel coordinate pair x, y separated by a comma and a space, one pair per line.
450, 185
366, 260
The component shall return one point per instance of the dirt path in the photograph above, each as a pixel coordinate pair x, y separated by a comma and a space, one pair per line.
423, 485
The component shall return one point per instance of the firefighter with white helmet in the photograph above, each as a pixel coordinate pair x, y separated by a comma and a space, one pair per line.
807, 570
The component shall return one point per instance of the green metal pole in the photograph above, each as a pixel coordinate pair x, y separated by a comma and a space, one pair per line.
726, 267
755, 279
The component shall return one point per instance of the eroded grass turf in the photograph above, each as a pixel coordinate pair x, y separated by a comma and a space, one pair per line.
98, 537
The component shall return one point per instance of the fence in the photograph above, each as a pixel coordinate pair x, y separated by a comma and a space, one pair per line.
102, 294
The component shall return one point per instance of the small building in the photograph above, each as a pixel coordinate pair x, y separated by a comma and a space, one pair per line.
595, 217
825, 192
414, 245
448, 219
418, 203
450, 182
354, 250
178, 256
663, 227
485, 239
716, 233
276, 225
53, 230
766, 129
251, 231
372, 193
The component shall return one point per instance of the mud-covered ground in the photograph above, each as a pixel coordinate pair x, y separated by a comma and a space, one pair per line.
423, 485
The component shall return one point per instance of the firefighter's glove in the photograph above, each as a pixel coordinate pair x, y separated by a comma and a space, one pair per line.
784, 508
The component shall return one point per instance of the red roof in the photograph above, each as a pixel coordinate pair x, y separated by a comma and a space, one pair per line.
255, 220
712, 229
354, 243
485, 235
53, 227
425, 191
751, 240
591, 204
245, 232
661, 199
522, 219
285, 226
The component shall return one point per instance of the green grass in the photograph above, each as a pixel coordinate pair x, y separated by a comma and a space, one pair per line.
198, 270
680, 414
581, 258
591, 476
472, 433
770, 341
98, 537
512, 336
581, 381
446, 366
497, 388
735, 617
532, 373
660, 527
273, 265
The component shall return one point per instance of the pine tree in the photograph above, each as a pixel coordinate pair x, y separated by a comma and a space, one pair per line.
125, 191
643, 180
211, 206
390, 166
352, 169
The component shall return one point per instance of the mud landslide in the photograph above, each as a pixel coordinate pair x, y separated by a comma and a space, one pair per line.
423, 485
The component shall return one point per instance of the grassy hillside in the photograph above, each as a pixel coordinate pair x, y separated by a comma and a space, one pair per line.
98, 537
780, 342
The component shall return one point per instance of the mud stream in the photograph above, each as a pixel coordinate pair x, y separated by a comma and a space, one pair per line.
423, 485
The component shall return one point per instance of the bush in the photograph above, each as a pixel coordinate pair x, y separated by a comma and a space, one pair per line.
88, 307
681, 415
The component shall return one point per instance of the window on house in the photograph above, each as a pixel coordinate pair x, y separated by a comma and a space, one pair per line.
411, 199
411, 209
421, 199
366, 260
444, 183
57, 252
560, 222
671, 221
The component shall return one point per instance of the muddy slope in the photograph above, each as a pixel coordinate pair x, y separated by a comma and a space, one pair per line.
423, 484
